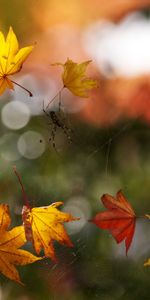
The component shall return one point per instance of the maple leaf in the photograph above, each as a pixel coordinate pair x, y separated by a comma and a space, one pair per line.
120, 218
74, 78
11, 60
147, 263
43, 225
10, 241
5, 219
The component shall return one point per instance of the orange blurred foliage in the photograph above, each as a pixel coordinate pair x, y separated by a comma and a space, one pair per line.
83, 12
60, 26
117, 99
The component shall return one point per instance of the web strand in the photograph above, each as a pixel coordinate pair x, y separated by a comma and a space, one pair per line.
58, 94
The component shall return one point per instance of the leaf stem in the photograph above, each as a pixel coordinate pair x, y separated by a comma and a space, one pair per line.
22, 87
26, 201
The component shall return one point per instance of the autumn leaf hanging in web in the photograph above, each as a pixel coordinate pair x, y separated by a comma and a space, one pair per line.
44, 224
119, 219
147, 263
10, 241
75, 79
11, 60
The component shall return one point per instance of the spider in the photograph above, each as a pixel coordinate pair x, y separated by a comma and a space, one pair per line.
57, 122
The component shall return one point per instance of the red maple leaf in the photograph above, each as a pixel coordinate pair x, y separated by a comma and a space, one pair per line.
119, 219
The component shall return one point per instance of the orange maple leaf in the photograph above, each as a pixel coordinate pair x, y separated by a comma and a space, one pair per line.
44, 224
10, 241
120, 218
11, 60
74, 78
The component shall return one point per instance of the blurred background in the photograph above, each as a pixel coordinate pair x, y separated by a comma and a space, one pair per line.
110, 147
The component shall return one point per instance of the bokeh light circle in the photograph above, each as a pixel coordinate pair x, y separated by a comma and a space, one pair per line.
15, 115
43, 89
79, 207
8, 147
31, 144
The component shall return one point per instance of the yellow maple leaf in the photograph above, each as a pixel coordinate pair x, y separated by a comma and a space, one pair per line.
11, 60
74, 78
5, 219
147, 263
43, 225
10, 241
